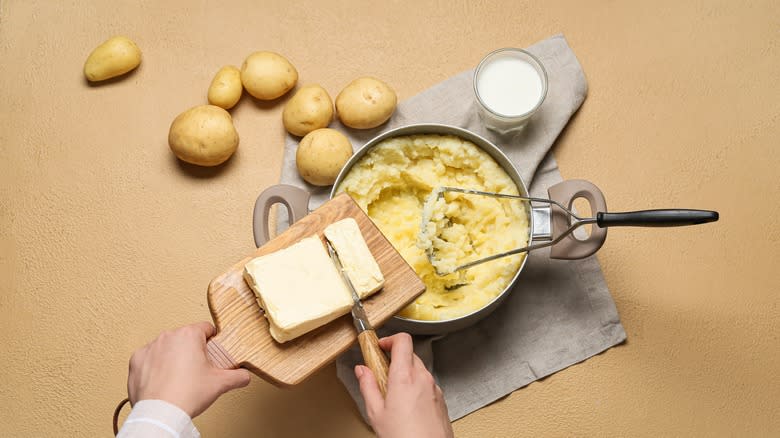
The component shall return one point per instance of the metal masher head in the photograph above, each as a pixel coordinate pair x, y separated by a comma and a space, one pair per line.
437, 220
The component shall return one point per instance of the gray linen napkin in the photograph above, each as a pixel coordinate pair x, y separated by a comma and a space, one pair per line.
560, 312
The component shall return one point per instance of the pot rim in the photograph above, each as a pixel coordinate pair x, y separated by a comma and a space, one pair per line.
484, 144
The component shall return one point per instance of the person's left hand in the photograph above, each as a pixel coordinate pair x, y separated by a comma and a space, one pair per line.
174, 368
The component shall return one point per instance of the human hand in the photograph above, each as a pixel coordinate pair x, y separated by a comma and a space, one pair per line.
414, 405
174, 368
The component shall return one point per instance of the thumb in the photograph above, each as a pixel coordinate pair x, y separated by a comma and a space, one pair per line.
370, 390
233, 379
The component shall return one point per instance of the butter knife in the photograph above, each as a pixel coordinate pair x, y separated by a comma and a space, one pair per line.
373, 356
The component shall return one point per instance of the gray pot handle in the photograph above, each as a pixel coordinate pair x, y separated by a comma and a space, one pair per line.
295, 199
571, 248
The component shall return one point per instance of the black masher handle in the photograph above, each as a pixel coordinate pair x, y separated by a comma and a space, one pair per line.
656, 218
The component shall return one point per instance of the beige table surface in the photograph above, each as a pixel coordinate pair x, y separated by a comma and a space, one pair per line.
105, 239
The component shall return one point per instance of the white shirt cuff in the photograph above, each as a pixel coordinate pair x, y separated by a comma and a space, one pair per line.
158, 418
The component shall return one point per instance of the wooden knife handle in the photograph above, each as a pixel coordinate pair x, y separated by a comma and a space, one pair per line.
374, 358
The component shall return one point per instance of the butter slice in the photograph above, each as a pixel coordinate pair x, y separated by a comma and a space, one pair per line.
355, 257
299, 288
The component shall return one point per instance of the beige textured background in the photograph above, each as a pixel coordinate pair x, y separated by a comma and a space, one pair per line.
105, 239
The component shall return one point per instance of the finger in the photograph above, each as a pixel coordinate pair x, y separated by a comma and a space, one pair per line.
131, 388
206, 328
401, 350
136, 359
133, 369
370, 390
418, 363
421, 372
234, 379
386, 343
131, 393
442, 405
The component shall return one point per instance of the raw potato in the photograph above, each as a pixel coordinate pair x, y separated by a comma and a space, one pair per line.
365, 103
268, 75
225, 90
203, 135
321, 155
115, 57
309, 109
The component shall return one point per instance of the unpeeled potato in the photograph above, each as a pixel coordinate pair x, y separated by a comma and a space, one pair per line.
116, 56
321, 154
309, 109
365, 103
268, 75
225, 89
203, 135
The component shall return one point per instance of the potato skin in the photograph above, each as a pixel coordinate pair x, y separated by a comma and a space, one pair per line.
321, 154
225, 89
365, 103
203, 135
268, 75
116, 56
309, 109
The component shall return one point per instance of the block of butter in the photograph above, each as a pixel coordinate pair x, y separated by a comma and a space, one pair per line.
356, 258
301, 289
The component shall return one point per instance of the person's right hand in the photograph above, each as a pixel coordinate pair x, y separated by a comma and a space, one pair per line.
414, 406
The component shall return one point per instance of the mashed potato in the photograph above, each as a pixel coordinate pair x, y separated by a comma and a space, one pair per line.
391, 183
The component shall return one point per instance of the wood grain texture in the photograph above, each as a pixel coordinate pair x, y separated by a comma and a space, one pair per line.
243, 338
374, 358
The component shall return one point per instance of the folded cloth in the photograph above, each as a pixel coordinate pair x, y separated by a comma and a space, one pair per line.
559, 312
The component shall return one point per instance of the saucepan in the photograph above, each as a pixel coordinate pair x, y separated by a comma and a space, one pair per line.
550, 224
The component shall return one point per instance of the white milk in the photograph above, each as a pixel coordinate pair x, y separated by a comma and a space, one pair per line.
509, 85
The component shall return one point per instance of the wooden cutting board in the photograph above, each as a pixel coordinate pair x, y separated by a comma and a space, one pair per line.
243, 339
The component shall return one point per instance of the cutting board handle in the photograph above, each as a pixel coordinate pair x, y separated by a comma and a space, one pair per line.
295, 199
218, 355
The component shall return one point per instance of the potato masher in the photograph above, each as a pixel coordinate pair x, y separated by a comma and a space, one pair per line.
558, 222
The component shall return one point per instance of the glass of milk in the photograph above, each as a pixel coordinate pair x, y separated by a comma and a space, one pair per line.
510, 85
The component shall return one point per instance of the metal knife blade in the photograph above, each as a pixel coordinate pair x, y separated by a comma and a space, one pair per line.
373, 356
359, 317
